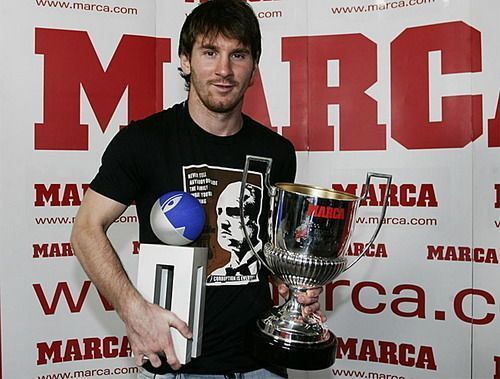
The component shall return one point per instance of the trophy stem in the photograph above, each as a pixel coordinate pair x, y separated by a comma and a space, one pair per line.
292, 306
293, 309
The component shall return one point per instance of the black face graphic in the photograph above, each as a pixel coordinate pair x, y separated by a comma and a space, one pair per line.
230, 233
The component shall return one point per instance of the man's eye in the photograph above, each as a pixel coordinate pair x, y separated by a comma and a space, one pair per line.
209, 53
233, 211
239, 56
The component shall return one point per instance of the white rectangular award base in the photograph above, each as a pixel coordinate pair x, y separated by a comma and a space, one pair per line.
174, 278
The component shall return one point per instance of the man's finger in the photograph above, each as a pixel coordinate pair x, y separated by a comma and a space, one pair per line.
172, 359
311, 308
181, 326
169, 351
306, 300
154, 359
314, 292
173, 362
139, 359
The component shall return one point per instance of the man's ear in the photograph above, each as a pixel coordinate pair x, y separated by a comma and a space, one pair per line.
185, 64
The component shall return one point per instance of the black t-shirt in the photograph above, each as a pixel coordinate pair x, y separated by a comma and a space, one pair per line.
168, 151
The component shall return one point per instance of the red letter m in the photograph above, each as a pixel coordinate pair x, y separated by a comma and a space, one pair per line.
70, 61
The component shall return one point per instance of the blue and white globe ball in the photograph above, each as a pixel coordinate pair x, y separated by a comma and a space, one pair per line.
177, 218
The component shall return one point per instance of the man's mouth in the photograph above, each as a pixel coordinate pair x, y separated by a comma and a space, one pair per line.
224, 86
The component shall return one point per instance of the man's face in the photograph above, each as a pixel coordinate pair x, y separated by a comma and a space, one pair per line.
230, 234
221, 71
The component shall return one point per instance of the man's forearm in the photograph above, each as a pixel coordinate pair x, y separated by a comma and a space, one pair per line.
103, 266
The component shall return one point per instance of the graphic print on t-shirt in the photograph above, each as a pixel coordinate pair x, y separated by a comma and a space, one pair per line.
230, 258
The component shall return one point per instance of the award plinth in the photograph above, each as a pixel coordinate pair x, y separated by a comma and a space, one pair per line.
174, 278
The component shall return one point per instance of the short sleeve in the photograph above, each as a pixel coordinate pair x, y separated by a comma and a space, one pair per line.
285, 162
119, 176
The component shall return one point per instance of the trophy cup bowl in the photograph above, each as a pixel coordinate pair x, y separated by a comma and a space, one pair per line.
309, 232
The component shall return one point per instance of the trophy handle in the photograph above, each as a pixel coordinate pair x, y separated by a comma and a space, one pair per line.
388, 179
271, 191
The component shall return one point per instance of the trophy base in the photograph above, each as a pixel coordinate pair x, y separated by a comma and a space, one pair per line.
317, 356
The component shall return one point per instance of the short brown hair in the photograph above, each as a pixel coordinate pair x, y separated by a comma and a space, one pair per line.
233, 19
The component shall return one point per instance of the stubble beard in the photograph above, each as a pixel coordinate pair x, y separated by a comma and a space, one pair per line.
222, 105
219, 106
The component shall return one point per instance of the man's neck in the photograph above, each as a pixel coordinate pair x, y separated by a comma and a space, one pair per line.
216, 123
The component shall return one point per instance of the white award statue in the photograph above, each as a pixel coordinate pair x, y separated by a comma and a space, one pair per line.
174, 276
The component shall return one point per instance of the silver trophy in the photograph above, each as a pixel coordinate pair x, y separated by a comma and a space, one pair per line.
308, 234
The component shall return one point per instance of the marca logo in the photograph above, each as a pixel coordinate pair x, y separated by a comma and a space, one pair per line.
52, 250
64, 249
462, 254
321, 211
376, 250
402, 354
87, 348
57, 194
71, 62
403, 195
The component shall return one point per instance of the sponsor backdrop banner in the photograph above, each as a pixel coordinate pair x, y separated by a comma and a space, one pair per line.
408, 87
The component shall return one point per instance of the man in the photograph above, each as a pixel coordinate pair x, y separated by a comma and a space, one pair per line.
206, 136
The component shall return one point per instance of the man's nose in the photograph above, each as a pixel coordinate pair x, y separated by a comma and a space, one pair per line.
224, 66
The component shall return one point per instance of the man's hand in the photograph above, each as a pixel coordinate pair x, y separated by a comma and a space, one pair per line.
309, 299
148, 329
